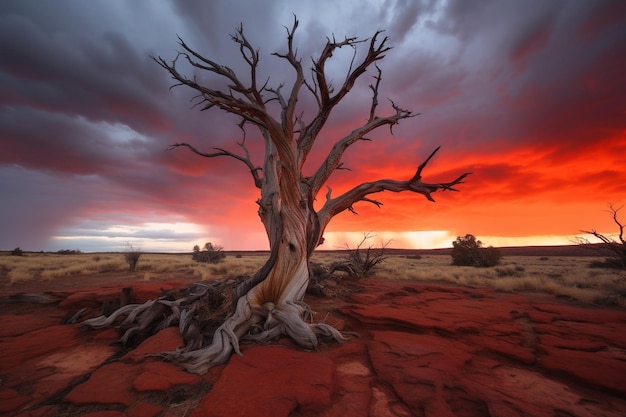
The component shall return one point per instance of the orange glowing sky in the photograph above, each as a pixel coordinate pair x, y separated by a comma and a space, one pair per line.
528, 96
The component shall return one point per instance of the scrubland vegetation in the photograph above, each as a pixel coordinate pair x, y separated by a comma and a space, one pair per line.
566, 276
48, 266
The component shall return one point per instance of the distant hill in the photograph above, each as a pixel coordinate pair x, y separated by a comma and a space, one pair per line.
564, 250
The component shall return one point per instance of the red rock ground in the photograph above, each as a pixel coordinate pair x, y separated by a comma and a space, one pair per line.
424, 350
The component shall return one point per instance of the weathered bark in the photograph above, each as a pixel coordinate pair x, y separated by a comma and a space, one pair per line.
271, 304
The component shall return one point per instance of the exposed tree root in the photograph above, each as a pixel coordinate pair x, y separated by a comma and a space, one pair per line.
198, 311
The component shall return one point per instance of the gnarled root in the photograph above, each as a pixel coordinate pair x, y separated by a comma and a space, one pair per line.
260, 324
197, 309
287, 319
192, 313
225, 340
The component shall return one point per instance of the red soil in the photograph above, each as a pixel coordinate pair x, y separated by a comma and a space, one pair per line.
423, 350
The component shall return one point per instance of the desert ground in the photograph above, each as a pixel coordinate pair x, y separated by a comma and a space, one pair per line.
541, 334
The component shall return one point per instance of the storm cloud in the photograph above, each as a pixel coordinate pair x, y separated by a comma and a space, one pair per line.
529, 96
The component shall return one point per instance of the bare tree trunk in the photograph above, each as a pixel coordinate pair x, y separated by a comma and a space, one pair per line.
274, 306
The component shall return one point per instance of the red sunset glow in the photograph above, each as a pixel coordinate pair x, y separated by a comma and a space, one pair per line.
528, 96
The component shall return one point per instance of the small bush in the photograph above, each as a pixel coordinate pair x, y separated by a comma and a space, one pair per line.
467, 251
359, 262
212, 254
17, 252
68, 252
132, 255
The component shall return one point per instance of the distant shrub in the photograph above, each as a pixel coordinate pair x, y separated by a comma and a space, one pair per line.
17, 252
212, 254
359, 262
468, 251
68, 252
132, 255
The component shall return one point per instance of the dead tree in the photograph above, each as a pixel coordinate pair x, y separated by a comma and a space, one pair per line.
360, 262
615, 248
270, 303
131, 256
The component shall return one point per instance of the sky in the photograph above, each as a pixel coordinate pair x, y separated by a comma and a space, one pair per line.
529, 96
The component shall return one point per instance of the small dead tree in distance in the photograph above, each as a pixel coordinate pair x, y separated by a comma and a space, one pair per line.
616, 249
270, 303
132, 255
360, 261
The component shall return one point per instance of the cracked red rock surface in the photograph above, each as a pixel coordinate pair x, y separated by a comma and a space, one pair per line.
423, 350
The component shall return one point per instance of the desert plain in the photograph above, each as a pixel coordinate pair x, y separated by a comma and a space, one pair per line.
540, 334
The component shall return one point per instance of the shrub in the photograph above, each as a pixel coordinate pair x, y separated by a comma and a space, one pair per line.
132, 255
359, 262
468, 251
17, 252
490, 256
68, 251
212, 254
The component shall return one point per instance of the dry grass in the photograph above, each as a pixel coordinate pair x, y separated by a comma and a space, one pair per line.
562, 276
567, 276
45, 266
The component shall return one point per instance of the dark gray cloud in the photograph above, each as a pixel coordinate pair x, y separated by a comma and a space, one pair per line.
86, 115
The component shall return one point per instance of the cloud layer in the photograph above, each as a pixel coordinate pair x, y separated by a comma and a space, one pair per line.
529, 96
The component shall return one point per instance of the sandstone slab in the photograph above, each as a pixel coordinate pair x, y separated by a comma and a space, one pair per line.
111, 384
161, 376
270, 382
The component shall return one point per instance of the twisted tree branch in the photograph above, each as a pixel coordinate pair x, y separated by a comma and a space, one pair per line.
223, 152
249, 103
333, 160
345, 201
323, 91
